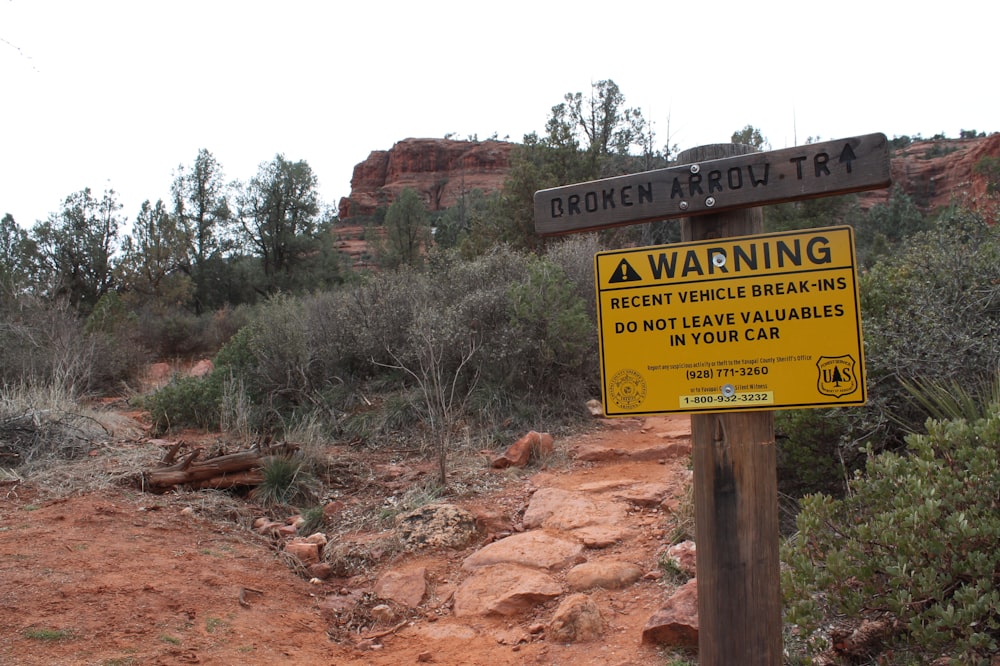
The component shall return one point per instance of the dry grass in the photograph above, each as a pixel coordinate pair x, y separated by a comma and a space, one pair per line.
65, 448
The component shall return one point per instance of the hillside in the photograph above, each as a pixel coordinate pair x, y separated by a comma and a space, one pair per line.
932, 172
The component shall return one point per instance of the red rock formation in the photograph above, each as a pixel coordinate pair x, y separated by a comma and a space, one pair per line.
934, 173
938, 173
440, 170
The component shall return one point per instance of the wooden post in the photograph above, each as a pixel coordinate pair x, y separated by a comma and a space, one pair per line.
735, 497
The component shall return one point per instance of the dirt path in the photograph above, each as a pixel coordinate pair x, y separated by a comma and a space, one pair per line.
128, 578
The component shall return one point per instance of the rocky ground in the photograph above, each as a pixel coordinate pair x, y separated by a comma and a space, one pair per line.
564, 566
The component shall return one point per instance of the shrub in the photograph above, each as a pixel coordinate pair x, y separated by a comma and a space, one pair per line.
193, 402
929, 314
912, 546
929, 317
810, 447
285, 483
556, 337
44, 345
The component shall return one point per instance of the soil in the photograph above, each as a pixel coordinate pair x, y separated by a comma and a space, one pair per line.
118, 576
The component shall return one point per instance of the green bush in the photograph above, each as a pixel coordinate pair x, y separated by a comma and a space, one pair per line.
809, 450
913, 544
930, 313
187, 402
557, 338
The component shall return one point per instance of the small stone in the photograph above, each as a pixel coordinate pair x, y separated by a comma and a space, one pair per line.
383, 614
307, 553
317, 538
576, 620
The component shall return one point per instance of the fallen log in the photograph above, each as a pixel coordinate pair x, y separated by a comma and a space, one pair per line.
225, 471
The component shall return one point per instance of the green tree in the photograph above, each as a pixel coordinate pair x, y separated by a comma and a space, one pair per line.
15, 251
278, 211
600, 124
407, 232
155, 257
76, 248
751, 136
586, 137
202, 214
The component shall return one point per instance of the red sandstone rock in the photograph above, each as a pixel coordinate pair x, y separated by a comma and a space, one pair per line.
405, 586
202, 368
530, 447
320, 570
439, 170
934, 173
307, 553
504, 589
606, 574
576, 620
684, 555
677, 622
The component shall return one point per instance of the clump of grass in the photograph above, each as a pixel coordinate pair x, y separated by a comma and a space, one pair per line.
48, 634
682, 528
286, 483
315, 520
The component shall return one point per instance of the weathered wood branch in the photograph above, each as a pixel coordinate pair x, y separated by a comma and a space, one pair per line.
226, 471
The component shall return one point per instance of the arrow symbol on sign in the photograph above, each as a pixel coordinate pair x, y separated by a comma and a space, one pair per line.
847, 155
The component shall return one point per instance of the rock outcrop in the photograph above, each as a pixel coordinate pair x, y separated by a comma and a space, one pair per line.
938, 173
439, 170
932, 172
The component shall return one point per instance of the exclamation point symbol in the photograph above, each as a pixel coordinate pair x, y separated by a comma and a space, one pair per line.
624, 273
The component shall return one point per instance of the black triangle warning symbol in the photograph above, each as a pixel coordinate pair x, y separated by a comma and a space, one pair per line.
624, 273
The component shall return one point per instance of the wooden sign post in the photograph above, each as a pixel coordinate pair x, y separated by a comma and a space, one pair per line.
734, 457
735, 498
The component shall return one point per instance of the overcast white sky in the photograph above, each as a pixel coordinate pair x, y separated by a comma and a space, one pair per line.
117, 94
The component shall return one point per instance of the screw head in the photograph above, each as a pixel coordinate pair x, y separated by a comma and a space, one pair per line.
683, 205
695, 168
710, 202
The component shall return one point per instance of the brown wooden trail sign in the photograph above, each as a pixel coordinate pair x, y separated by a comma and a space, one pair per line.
733, 453
715, 186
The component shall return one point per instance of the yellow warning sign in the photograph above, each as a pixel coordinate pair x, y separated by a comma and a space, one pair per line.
756, 322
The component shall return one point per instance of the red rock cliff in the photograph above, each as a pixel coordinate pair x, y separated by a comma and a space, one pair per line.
938, 173
934, 173
440, 170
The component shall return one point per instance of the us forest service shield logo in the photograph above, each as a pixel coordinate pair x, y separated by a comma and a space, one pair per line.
627, 389
837, 376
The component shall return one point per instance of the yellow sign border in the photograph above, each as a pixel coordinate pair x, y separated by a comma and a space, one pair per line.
770, 321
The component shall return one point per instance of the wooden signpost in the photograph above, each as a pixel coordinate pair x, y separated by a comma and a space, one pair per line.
734, 457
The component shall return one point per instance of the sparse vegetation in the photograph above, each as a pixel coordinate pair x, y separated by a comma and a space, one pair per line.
464, 338
48, 634
286, 482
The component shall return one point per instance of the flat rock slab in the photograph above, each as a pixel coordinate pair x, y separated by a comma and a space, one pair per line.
536, 549
605, 574
602, 536
644, 494
504, 589
567, 510
665, 451
405, 586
